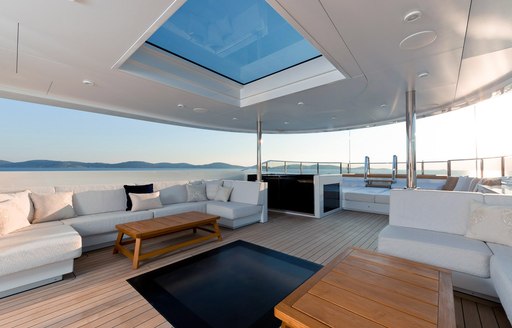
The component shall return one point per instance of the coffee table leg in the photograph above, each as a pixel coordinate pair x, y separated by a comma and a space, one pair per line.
118, 242
217, 230
194, 229
136, 253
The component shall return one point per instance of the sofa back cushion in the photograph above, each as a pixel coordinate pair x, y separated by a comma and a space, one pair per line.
93, 199
52, 207
244, 191
444, 211
173, 194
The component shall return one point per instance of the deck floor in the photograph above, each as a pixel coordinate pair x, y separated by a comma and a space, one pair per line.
97, 294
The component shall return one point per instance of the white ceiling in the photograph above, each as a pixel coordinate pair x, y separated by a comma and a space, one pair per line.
61, 43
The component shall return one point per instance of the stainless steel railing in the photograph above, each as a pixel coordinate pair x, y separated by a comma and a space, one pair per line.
477, 167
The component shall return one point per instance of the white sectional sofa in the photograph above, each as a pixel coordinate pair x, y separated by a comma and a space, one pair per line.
42, 252
434, 227
358, 197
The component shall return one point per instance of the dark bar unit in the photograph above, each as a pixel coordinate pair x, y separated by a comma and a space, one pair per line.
296, 193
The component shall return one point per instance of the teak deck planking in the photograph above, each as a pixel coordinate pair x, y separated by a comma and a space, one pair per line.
97, 294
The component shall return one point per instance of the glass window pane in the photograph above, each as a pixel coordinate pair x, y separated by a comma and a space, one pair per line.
241, 40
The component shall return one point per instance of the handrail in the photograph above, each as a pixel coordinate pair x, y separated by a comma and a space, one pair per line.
500, 165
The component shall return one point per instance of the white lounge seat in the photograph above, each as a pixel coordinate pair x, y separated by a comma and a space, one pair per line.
36, 256
430, 226
441, 249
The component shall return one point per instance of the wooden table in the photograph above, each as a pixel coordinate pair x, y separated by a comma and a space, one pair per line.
146, 229
361, 288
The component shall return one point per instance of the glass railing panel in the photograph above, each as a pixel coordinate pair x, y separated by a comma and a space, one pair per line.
273, 167
467, 167
433, 168
293, 167
329, 168
491, 167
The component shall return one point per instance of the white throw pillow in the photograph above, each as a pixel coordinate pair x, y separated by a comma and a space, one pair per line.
212, 187
142, 202
196, 192
13, 215
52, 207
490, 223
223, 193
25, 202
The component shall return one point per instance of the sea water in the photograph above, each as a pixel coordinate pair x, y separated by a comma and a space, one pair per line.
12, 180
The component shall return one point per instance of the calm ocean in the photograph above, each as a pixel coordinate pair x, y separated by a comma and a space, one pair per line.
11, 180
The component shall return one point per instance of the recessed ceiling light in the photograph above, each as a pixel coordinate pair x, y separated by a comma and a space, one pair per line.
180, 105
88, 82
418, 40
412, 16
200, 110
422, 75
383, 106
235, 118
286, 122
333, 118
300, 103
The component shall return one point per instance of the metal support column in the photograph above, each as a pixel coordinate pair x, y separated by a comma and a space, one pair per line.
410, 125
258, 149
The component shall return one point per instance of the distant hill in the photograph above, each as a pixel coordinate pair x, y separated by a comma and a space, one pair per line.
55, 165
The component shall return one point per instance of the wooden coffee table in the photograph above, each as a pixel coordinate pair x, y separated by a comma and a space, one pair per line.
146, 229
361, 288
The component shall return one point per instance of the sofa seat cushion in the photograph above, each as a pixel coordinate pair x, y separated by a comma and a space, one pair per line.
359, 197
41, 225
232, 210
93, 224
179, 208
501, 273
454, 252
382, 199
23, 250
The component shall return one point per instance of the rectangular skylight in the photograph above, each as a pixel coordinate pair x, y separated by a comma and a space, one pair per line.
241, 40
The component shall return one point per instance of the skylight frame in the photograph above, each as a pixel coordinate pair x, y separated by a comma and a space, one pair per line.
283, 27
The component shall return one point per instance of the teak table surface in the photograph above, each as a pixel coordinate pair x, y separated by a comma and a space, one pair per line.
361, 288
145, 229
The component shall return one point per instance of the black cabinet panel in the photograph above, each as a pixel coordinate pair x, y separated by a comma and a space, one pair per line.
331, 197
290, 192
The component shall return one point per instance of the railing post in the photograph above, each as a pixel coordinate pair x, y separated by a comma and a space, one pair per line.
300, 167
341, 168
422, 167
285, 168
258, 148
449, 168
317, 168
266, 166
481, 167
348, 167
503, 166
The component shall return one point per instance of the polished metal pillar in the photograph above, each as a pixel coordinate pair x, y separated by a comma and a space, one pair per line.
258, 149
410, 125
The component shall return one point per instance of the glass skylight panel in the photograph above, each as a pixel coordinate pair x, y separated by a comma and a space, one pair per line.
243, 40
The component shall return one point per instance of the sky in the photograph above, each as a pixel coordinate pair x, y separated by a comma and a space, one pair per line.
33, 131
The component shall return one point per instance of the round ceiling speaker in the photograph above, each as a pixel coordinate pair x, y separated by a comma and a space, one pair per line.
418, 40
